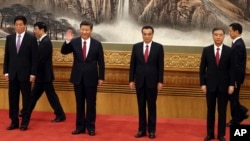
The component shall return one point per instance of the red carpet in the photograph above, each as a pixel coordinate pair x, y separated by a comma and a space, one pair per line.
108, 128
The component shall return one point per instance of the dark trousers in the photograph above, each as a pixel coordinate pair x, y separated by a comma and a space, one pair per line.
37, 91
222, 98
85, 120
147, 96
237, 110
15, 86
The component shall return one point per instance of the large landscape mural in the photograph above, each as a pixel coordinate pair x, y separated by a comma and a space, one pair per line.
176, 22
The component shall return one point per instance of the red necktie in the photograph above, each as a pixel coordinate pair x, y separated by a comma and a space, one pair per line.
217, 56
84, 50
146, 54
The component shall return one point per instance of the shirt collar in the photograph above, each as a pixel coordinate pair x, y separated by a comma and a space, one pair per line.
149, 44
40, 39
22, 34
218, 46
88, 40
236, 39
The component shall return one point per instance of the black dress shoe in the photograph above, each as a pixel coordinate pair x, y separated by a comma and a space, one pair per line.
23, 128
244, 117
222, 139
91, 133
208, 138
151, 135
140, 134
231, 123
11, 127
59, 119
75, 132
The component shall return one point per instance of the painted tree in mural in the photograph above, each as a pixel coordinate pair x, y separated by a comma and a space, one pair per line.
6, 16
54, 26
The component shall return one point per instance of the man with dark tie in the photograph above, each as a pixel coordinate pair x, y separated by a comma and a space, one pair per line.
238, 111
45, 74
146, 75
217, 81
87, 73
20, 67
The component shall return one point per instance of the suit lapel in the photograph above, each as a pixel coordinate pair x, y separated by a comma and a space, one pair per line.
13, 43
44, 38
40, 43
222, 54
79, 47
23, 41
233, 44
152, 50
92, 44
211, 50
140, 49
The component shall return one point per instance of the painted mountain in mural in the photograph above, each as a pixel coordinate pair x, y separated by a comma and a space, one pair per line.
181, 15
175, 13
200, 14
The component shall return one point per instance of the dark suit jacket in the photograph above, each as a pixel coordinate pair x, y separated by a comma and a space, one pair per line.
25, 62
90, 70
45, 68
152, 71
214, 76
240, 56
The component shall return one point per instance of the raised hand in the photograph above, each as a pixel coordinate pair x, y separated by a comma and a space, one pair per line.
69, 35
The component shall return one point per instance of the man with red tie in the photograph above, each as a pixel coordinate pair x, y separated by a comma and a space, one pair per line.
87, 73
146, 75
217, 81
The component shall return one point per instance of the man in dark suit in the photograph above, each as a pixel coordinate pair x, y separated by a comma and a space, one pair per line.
146, 75
238, 111
217, 81
20, 67
45, 74
87, 73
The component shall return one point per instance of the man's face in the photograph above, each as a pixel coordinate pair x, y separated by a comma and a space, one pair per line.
20, 27
147, 35
233, 34
85, 31
38, 32
218, 37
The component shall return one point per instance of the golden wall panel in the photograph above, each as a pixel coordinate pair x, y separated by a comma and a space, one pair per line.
180, 97
180, 70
